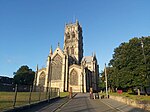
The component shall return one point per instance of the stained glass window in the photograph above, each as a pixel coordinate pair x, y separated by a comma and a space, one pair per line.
57, 67
73, 78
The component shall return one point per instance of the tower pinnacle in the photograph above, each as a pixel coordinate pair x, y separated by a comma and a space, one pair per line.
51, 51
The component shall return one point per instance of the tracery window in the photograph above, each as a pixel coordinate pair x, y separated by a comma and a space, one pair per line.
73, 34
73, 78
57, 67
68, 35
42, 79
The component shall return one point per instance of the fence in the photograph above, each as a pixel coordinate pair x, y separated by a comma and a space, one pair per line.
26, 95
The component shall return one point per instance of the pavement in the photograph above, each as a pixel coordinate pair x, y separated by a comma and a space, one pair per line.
82, 103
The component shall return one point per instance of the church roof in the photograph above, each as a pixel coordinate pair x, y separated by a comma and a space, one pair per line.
87, 58
41, 69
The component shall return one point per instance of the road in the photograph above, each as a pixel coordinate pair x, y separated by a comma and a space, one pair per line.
82, 103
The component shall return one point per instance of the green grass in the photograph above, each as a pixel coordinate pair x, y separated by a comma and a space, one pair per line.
6, 98
131, 96
63, 94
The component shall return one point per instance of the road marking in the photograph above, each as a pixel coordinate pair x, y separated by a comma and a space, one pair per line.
111, 106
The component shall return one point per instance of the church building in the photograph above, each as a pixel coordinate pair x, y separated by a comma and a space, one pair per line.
68, 67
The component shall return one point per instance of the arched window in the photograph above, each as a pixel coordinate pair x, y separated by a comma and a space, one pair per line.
42, 78
73, 78
57, 67
73, 34
68, 35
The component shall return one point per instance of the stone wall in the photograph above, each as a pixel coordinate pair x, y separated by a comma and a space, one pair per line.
139, 104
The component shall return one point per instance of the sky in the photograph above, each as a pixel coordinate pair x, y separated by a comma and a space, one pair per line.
29, 27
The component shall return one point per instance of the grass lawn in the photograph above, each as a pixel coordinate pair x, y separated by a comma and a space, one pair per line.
131, 96
63, 94
6, 98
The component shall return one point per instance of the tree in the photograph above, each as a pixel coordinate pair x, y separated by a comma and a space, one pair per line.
24, 76
128, 64
101, 83
112, 79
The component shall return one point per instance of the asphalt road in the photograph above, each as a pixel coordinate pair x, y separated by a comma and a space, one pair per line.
82, 103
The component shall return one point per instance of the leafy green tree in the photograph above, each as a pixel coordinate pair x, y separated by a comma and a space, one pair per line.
129, 65
112, 79
24, 76
101, 83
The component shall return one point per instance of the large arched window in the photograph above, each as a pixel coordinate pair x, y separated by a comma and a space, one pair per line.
74, 78
42, 78
57, 67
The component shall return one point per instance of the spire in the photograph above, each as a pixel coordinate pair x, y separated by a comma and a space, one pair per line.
37, 68
51, 51
58, 45
94, 54
77, 22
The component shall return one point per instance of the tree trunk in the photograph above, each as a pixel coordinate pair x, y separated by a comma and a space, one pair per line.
145, 90
138, 91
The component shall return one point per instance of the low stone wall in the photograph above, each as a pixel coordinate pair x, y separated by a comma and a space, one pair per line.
139, 104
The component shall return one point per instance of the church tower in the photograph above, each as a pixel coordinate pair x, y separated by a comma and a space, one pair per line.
73, 42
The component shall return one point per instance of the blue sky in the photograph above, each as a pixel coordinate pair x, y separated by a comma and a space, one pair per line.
29, 27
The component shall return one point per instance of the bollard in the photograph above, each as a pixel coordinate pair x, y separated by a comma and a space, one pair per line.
58, 92
70, 92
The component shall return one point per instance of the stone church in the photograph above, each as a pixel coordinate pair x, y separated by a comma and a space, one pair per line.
68, 67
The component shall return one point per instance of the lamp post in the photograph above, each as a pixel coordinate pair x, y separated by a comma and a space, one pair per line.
142, 45
106, 81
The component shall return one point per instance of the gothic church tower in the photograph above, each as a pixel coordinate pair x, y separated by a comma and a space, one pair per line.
73, 42
68, 68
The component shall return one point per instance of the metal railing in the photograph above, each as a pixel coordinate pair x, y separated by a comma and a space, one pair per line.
26, 95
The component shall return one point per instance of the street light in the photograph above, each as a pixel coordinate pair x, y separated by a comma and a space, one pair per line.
142, 45
106, 81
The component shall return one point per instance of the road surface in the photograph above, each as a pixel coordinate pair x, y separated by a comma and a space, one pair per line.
82, 103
